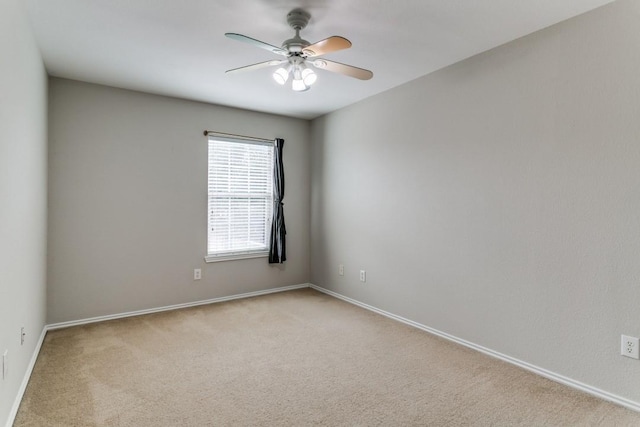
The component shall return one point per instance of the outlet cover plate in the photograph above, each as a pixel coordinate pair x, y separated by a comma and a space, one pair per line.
629, 347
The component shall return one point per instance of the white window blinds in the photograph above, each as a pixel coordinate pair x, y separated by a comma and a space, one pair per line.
240, 197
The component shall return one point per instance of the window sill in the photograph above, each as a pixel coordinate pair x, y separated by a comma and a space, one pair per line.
236, 256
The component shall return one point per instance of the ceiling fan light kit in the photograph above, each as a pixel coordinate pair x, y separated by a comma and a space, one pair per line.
297, 50
303, 77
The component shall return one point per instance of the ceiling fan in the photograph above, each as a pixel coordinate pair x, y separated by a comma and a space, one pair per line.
299, 54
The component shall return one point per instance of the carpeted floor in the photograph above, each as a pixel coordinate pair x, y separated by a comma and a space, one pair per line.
294, 358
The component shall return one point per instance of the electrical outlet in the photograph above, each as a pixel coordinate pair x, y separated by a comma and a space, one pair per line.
23, 334
363, 276
5, 364
341, 270
629, 347
197, 274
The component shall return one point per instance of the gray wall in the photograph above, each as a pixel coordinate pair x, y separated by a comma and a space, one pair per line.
498, 200
128, 195
23, 196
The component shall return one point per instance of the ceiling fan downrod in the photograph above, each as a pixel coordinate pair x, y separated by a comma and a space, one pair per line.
298, 20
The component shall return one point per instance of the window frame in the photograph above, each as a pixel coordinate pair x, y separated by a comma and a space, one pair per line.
243, 253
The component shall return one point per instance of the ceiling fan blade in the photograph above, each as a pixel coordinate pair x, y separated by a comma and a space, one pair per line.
328, 45
258, 43
256, 66
347, 70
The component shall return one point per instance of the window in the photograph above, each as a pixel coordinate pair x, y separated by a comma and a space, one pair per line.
240, 177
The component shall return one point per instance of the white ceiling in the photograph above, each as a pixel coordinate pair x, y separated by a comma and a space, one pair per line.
178, 48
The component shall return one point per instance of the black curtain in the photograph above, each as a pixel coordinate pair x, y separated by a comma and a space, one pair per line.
277, 250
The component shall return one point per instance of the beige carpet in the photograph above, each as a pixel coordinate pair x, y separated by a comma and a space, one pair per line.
295, 358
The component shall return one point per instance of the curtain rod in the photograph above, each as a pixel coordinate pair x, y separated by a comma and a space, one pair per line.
209, 132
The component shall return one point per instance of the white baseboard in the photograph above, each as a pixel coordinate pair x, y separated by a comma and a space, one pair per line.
61, 325
25, 380
524, 365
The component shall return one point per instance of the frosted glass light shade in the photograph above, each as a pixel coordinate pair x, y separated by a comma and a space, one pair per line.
281, 75
298, 85
309, 77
